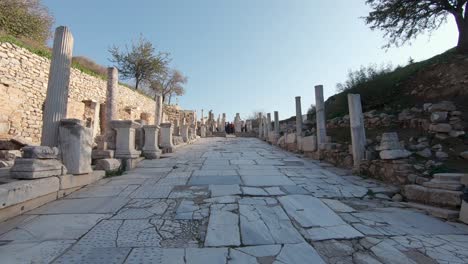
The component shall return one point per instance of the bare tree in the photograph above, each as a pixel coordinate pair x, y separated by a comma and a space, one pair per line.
140, 62
169, 83
403, 20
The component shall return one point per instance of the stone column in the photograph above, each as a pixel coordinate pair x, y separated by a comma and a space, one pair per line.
151, 149
277, 127
260, 126
166, 138
55, 105
358, 132
298, 117
269, 122
223, 123
159, 110
320, 114
265, 128
125, 139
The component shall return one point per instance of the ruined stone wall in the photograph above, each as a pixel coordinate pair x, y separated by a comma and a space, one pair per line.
23, 86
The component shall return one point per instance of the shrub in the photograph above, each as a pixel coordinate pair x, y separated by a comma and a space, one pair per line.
25, 19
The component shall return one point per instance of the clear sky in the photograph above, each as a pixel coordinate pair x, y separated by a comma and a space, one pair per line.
244, 55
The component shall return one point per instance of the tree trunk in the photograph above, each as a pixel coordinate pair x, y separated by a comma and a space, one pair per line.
462, 25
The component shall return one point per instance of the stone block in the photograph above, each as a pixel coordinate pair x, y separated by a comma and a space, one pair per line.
439, 117
39, 152
438, 197
394, 154
449, 177
290, 138
73, 181
443, 106
108, 164
75, 141
102, 154
20, 191
440, 128
37, 168
309, 144
125, 140
445, 185
464, 212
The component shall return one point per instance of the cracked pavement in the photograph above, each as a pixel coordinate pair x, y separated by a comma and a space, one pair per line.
232, 200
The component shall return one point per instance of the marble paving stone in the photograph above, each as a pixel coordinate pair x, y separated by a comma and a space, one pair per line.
274, 191
266, 225
94, 255
260, 172
242, 162
156, 256
223, 228
338, 206
239, 257
137, 233
98, 205
266, 180
252, 191
225, 172
261, 251
299, 253
206, 255
215, 180
33, 252
224, 190
54, 227
98, 191
154, 192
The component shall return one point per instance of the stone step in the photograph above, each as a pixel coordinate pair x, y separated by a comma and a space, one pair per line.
445, 185
430, 196
448, 214
448, 176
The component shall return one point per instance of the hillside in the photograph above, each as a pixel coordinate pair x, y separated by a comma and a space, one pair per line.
442, 77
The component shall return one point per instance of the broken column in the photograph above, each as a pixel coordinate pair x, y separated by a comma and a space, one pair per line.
151, 149
159, 110
166, 138
125, 139
55, 105
223, 123
277, 127
298, 117
320, 115
75, 142
202, 126
111, 105
260, 126
358, 132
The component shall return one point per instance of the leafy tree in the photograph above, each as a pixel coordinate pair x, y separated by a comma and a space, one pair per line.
403, 20
169, 83
140, 62
25, 19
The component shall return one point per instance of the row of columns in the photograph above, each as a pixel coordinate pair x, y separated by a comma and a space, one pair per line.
356, 124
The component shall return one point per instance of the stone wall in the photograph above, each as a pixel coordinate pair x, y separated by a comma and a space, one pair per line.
23, 86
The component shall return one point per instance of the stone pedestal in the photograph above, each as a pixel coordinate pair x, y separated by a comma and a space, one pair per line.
37, 162
309, 144
320, 115
237, 123
464, 212
125, 139
298, 116
184, 132
203, 131
358, 133
277, 127
75, 142
91, 116
151, 148
55, 105
166, 138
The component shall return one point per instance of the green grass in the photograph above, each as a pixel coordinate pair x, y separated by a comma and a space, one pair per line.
384, 91
44, 51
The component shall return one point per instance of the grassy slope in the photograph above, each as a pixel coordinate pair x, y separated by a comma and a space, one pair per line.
385, 91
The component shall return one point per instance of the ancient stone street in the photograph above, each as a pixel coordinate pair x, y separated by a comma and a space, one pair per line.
231, 200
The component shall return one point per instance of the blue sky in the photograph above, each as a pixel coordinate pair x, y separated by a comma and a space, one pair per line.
245, 55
